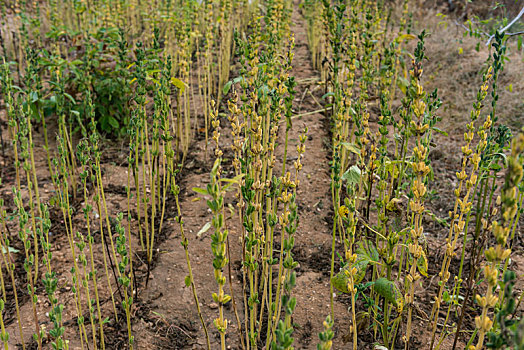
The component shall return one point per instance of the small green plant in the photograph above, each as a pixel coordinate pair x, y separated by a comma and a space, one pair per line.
326, 336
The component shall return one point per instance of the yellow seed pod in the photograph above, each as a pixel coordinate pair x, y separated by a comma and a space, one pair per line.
478, 323
490, 254
487, 324
480, 300
492, 300
343, 211
491, 274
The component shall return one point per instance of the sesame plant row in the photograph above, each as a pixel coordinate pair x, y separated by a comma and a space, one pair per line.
381, 179
259, 106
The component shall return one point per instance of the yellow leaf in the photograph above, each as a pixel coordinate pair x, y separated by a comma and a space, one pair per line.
405, 37
179, 84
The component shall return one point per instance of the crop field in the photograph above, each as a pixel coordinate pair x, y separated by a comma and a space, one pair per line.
261, 174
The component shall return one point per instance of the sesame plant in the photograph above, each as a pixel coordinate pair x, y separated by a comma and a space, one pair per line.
84, 153
8, 264
266, 206
4, 335
125, 276
498, 254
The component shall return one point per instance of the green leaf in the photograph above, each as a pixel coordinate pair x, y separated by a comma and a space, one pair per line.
10, 249
389, 291
227, 87
113, 122
446, 297
187, 281
422, 264
70, 97
340, 280
351, 147
204, 229
34, 96
367, 251
200, 191
232, 181
215, 167
403, 84
153, 80
215, 297
439, 131
352, 175
327, 95
153, 71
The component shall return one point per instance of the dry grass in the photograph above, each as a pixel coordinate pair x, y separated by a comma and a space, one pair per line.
455, 67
